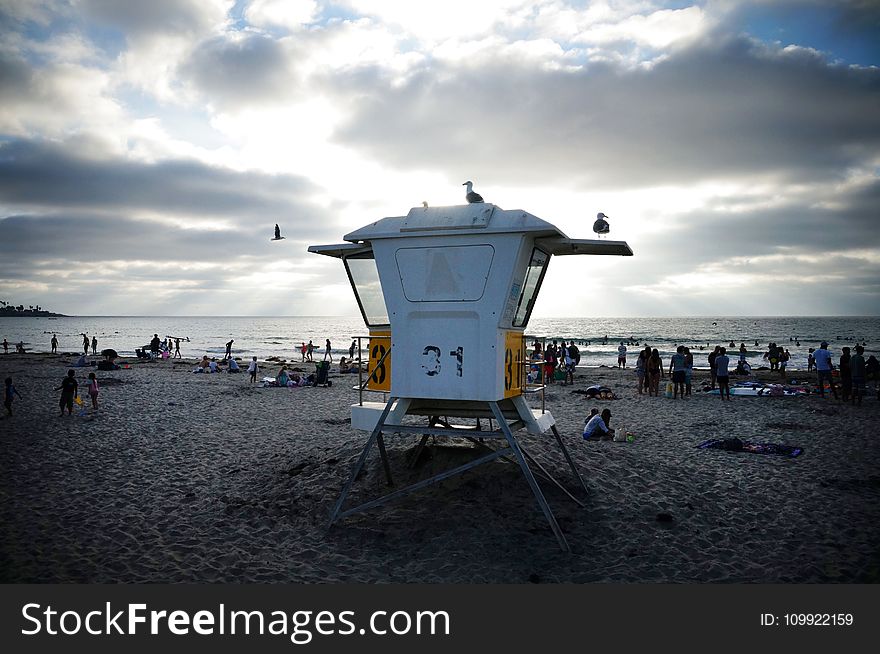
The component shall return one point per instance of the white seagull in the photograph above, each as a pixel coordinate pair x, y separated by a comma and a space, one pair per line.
601, 225
471, 195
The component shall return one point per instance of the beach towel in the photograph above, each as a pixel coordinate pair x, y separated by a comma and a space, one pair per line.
736, 445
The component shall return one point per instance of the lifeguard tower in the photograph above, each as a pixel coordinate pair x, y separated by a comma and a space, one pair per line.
447, 293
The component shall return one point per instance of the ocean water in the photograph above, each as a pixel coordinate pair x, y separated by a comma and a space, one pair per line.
597, 338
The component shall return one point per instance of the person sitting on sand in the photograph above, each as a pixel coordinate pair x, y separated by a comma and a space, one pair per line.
69, 391
233, 366
282, 377
598, 426
212, 365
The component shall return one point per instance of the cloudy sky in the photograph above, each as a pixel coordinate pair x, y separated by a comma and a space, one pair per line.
148, 148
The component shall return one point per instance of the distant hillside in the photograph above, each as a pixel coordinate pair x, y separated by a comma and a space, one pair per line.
8, 310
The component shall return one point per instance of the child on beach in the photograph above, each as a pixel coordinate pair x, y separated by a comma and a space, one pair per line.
93, 389
8, 395
253, 368
69, 391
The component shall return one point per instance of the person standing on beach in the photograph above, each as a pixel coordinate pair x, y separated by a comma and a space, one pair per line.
54, 343
5, 346
722, 374
857, 375
823, 369
253, 369
302, 350
327, 354
845, 375
621, 355
86, 343
713, 371
228, 354
640, 370
177, 349
9, 393
688, 369
93, 389
309, 351
154, 345
94, 345
352, 348
677, 371
655, 371
69, 391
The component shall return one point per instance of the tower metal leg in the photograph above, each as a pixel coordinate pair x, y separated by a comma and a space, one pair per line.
530, 478
574, 469
377, 430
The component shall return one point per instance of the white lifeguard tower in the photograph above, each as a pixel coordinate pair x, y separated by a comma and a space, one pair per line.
447, 293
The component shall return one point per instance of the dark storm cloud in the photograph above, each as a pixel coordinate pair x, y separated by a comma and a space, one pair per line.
250, 69
722, 108
44, 174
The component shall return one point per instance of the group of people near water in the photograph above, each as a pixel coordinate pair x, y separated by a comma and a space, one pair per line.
547, 361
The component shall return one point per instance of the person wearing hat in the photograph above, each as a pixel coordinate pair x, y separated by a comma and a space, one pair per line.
824, 367
598, 425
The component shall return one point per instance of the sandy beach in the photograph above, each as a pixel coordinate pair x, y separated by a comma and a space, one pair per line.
206, 478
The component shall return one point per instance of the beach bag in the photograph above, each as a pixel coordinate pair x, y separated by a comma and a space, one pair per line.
669, 389
620, 435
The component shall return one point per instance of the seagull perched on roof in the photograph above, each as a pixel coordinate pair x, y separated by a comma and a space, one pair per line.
471, 195
601, 225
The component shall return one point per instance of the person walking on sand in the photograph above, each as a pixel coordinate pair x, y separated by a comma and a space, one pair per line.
722, 373
54, 343
93, 389
822, 357
621, 355
94, 345
253, 369
86, 343
69, 391
327, 354
309, 351
8, 395
228, 354
5, 346
352, 348
177, 349
302, 350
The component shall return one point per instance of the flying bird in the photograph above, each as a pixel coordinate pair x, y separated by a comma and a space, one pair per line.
601, 225
471, 195
278, 235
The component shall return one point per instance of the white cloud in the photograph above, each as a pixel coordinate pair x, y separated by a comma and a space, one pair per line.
290, 14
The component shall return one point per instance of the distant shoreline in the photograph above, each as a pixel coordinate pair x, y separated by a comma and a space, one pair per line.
32, 314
